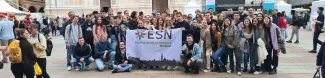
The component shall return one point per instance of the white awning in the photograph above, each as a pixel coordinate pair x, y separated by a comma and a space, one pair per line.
5, 7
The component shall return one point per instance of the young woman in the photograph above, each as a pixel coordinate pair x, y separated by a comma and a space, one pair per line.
28, 56
216, 40
38, 42
221, 18
160, 24
247, 34
153, 24
98, 30
169, 24
272, 35
231, 36
258, 31
141, 25
114, 32
122, 34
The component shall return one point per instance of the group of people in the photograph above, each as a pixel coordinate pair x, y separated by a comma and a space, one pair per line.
208, 40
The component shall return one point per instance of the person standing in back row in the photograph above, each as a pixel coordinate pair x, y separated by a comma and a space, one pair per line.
185, 26
318, 28
72, 33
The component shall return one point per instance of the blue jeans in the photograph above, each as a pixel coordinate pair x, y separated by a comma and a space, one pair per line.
284, 33
100, 62
125, 67
216, 57
76, 62
69, 54
113, 42
246, 59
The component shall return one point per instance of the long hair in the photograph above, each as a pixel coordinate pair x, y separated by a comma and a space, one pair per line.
269, 24
249, 25
96, 21
163, 24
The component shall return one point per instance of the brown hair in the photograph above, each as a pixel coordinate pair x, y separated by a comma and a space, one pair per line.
20, 31
34, 25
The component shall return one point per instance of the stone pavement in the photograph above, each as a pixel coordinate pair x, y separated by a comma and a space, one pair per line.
297, 63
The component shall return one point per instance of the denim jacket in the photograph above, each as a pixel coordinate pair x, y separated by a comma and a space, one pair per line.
196, 52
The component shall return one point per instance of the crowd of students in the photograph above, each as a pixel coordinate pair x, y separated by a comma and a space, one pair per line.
209, 41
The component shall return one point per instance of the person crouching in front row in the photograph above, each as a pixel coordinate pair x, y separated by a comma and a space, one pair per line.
104, 51
81, 54
191, 56
121, 63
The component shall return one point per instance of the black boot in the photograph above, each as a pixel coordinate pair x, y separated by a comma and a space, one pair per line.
297, 42
187, 69
251, 71
216, 68
196, 70
223, 68
245, 69
273, 71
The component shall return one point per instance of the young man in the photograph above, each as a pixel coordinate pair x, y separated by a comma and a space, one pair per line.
121, 64
242, 14
209, 20
185, 26
318, 29
66, 23
81, 54
230, 13
72, 33
191, 56
237, 22
104, 52
6, 34
275, 18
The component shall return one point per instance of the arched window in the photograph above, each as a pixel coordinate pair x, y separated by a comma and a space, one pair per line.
32, 9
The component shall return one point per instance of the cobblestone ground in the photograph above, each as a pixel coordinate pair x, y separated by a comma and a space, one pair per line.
297, 63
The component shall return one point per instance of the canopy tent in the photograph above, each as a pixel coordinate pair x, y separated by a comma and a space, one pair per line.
6, 8
191, 7
282, 6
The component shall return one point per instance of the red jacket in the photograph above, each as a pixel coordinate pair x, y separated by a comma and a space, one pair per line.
283, 22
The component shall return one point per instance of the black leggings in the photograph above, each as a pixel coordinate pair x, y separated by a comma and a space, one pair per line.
42, 64
271, 59
19, 70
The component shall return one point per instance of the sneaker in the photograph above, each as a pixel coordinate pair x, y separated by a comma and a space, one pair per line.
312, 51
238, 73
296, 42
273, 72
257, 73
289, 41
251, 71
69, 68
176, 68
77, 68
86, 67
206, 70
169, 68
229, 71
114, 71
4, 60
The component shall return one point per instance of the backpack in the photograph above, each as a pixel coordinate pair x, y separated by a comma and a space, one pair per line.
49, 46
300, 21
14, 52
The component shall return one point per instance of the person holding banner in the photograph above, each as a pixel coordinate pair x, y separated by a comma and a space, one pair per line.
121, 64
191, 56
104, 52
185, 26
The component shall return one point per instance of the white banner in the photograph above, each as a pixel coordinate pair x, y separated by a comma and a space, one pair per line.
150, 45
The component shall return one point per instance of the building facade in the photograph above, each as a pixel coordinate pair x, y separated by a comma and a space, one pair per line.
34, 6
62, 7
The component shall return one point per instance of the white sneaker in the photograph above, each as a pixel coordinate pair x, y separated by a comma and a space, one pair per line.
257, 73
206, 70
229, 71
77, 68
69, 68
176, 68
238, 73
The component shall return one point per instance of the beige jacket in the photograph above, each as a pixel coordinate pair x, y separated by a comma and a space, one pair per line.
206, 37
38, 42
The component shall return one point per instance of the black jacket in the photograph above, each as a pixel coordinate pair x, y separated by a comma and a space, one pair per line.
142, 28
196, 34
212, 20
28, 55
87, 29
82, 51
119, 58
187, 31
321, 58
132, 25
319, 26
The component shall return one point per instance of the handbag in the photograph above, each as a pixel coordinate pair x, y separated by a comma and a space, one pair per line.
317, 74
38, 70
